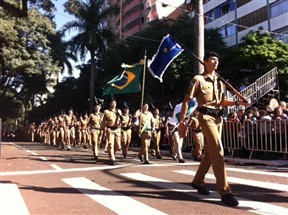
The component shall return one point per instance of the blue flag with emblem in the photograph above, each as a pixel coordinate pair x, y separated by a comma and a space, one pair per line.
126, 82
168, 50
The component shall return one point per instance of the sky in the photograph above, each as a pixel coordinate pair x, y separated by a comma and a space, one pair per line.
62, 18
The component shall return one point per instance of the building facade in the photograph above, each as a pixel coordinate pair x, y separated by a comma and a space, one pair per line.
235, 18
136, 15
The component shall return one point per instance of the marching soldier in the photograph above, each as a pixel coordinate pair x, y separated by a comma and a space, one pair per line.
61, 130
69, 129
197, 137
126, 131
156, 134
32, 130
84, 126
144, 120
209, 91
112, 120
94, 128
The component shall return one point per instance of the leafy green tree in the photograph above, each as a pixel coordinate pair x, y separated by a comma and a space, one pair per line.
93, 34
25, 56
258, 53
20, 8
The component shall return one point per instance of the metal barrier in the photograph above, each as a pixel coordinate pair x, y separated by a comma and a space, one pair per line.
261, 135
258, 89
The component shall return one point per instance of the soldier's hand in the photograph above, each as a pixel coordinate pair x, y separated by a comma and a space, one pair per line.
182, 130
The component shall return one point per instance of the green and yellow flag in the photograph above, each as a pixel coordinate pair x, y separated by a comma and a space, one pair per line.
127, 82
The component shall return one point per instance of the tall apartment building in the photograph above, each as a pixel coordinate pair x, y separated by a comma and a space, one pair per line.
136, 15
235, 18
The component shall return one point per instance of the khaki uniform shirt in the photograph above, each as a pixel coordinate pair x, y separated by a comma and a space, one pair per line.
95, 120
146, 118
127, 121
157, 122
112, 118
209, 93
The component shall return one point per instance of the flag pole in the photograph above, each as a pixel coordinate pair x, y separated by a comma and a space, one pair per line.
143, 81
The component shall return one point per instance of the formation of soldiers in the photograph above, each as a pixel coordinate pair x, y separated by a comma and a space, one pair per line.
111, 129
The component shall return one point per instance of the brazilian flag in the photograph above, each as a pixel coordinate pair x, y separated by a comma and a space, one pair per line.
127, 82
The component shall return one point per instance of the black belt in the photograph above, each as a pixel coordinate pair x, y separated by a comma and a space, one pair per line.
113, 127
125, 128
196, 130
211, 112
96, 128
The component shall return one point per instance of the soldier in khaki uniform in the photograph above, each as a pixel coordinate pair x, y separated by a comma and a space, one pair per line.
144, 120
197, 136
61, 130
209, 92
126, 131
70, 120
94, 128
156, 134
32, 130
112, 120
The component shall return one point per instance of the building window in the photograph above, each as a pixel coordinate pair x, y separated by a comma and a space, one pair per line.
227, 30
252, 19
225, 9
242, 2
209, 17
279, 8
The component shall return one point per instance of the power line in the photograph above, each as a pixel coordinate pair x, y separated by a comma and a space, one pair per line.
225, 22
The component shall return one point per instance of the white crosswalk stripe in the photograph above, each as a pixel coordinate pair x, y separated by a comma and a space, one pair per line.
118, 202
261, 184
11, 201
110, 199
252, 206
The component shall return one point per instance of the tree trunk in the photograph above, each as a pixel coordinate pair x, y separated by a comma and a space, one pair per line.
198, 36
92, 81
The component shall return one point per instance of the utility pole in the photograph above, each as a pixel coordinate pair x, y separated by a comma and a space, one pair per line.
120, 20
198, 36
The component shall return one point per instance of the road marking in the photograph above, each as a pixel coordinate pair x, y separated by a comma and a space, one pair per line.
280, 174
28, 151
244, 204
56, 167
166, 164
43, 158
115, 201
261, 184
11, 201
35, 172
34, 153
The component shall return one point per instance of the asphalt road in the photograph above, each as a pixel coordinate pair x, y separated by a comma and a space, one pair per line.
37, 179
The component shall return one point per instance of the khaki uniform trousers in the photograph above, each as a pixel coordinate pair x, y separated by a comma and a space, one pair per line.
95, 133
156, 137
70, 136
198, 139
126, 139
214, 154
145, 144
113, 138
53, 134
177, 150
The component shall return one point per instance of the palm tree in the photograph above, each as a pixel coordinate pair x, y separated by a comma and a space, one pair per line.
61, 52
93, 33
